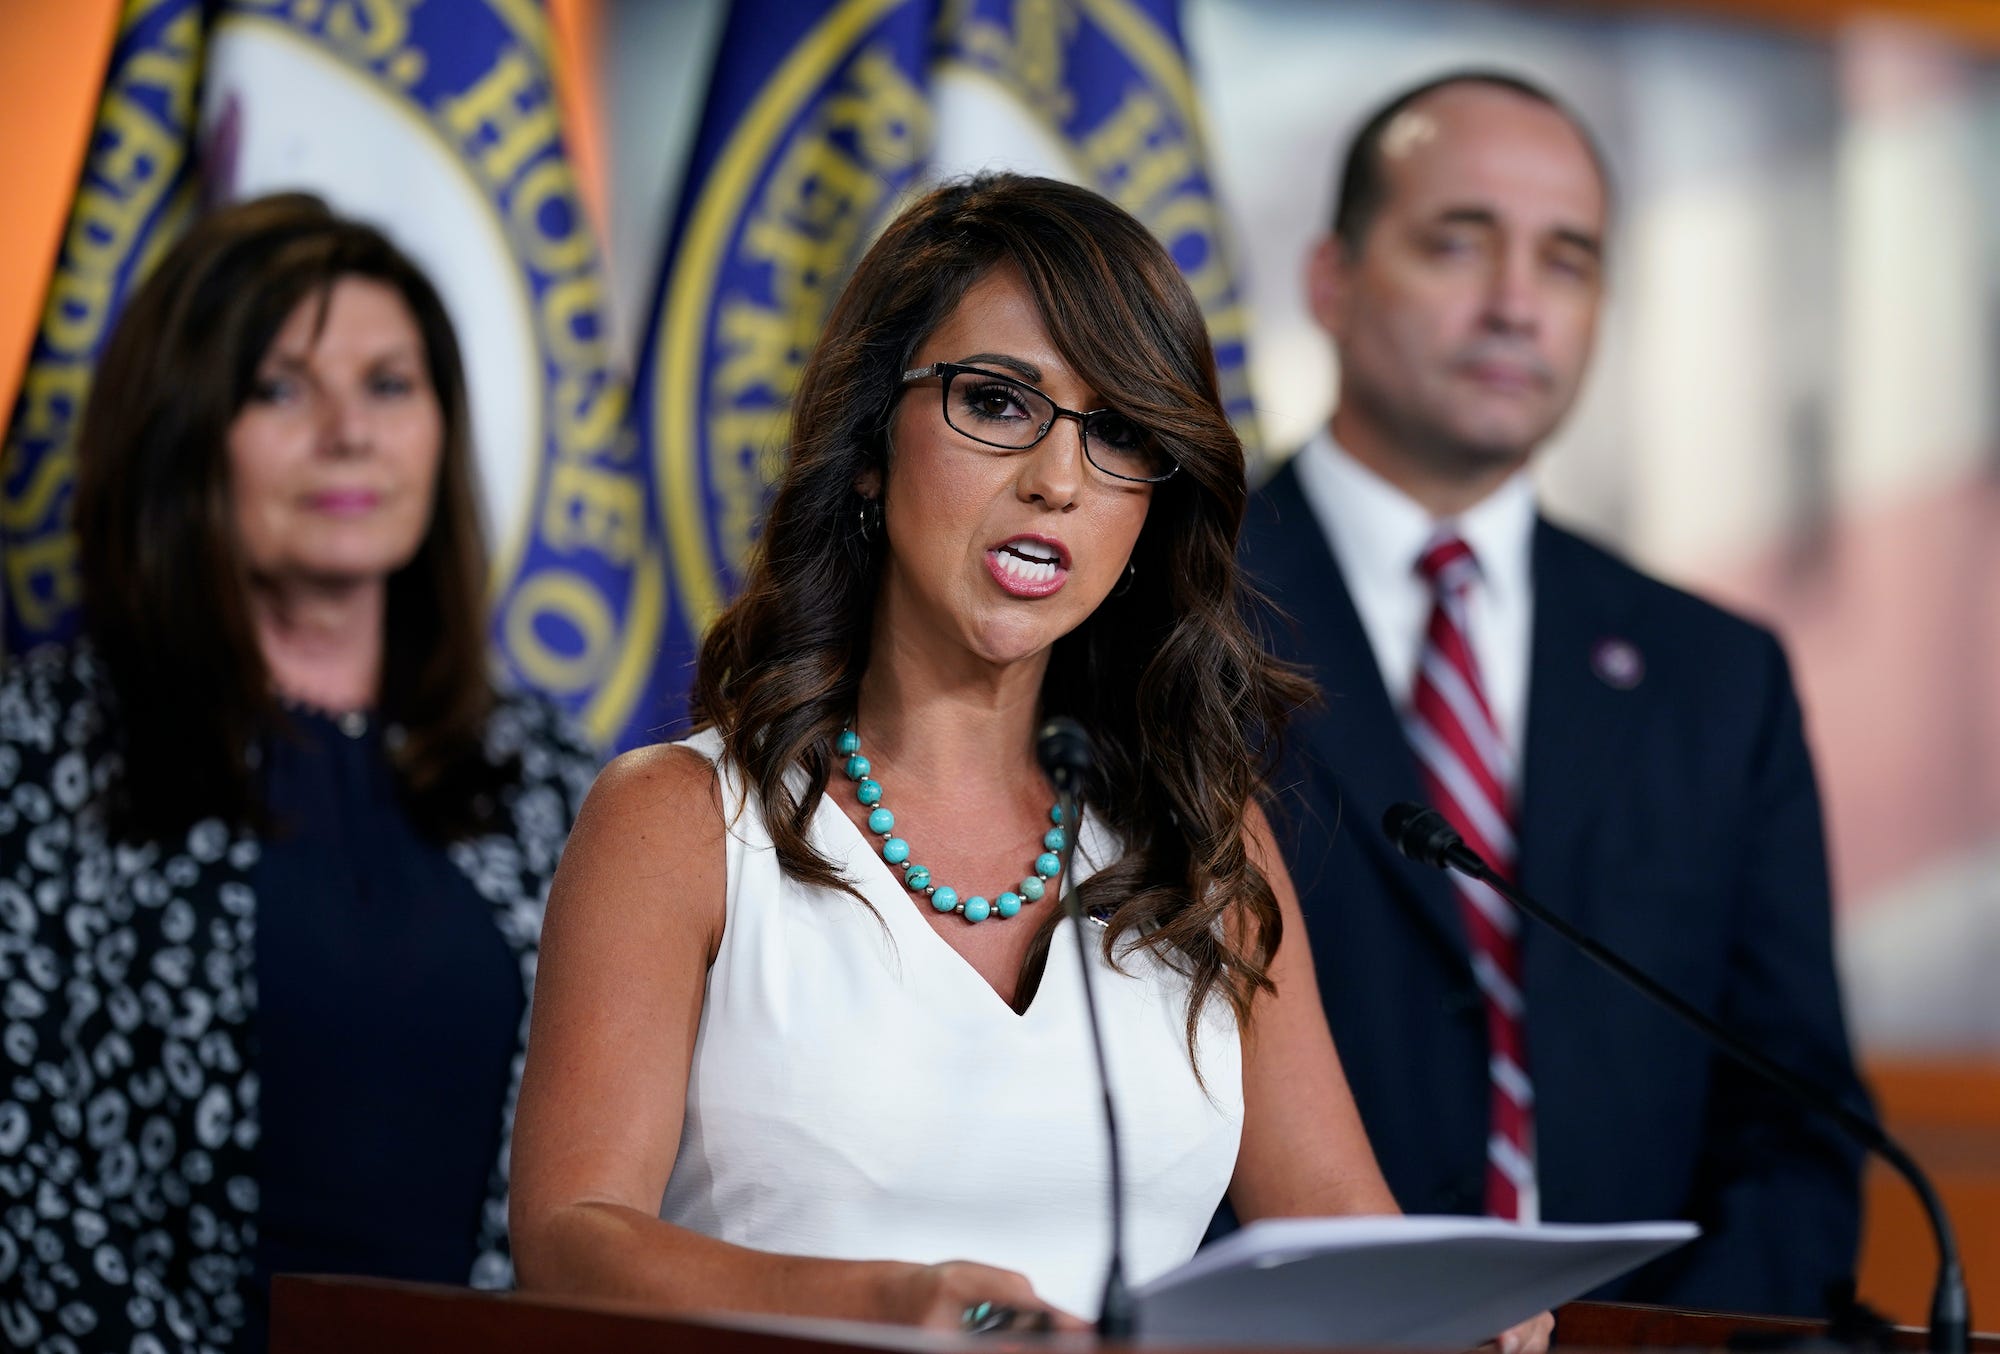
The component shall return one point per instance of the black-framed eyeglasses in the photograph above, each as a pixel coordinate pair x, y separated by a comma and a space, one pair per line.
1005, 411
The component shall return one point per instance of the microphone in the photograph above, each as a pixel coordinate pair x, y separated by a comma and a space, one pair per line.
1424, 836
1070, 762
1066, 756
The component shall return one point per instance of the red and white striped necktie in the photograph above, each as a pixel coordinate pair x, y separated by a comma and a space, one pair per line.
1468, 772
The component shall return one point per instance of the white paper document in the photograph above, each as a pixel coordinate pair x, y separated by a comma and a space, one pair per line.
1436, 1283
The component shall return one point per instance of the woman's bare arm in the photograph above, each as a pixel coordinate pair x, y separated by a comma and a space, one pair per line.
1304, 1152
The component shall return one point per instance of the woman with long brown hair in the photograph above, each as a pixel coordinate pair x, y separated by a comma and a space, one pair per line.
272, 845
800, 1044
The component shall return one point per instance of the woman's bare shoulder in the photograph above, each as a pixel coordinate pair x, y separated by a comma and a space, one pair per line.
653, 813
660, 778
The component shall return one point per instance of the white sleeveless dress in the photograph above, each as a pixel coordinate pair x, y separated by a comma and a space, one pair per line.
859, 1092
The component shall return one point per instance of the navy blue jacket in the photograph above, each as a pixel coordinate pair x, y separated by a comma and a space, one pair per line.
1673, 818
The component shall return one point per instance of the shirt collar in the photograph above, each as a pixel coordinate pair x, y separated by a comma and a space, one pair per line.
1378, 531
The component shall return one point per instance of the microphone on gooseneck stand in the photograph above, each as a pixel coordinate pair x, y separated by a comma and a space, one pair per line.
1425, 837
1069, 761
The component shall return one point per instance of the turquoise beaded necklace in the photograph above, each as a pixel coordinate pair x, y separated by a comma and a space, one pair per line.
917, 878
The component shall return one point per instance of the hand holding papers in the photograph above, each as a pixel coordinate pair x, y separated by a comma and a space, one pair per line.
1438, 1282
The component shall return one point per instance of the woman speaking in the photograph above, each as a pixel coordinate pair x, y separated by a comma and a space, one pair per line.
801, 1043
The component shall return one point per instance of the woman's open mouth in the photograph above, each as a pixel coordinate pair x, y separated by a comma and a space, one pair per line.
1025, 566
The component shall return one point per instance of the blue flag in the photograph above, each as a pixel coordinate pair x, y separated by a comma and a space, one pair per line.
820, 120
133, 201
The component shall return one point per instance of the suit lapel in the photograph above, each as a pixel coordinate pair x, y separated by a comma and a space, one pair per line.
1579, 708
1355, 741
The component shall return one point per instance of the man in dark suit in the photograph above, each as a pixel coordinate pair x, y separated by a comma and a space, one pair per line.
1632, 755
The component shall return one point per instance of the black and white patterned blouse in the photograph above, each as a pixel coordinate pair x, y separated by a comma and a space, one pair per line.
129, 1113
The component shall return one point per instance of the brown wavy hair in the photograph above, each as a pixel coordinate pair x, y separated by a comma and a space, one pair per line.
1178, 694
165, 587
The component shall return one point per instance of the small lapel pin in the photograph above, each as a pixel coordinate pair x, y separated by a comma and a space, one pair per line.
1618, 664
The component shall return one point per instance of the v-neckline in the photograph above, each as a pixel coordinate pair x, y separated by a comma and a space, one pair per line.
909, 906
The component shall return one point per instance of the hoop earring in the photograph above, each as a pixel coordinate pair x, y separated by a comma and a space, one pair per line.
1125, 584
868, 517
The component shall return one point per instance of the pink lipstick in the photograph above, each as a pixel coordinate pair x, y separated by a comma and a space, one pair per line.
344, 502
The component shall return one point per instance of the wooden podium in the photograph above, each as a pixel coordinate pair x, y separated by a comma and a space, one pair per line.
315, 1315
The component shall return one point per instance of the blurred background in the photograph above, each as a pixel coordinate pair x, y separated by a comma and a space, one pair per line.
1794, 409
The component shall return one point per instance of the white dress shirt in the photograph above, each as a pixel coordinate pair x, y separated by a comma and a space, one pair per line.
1378, 533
